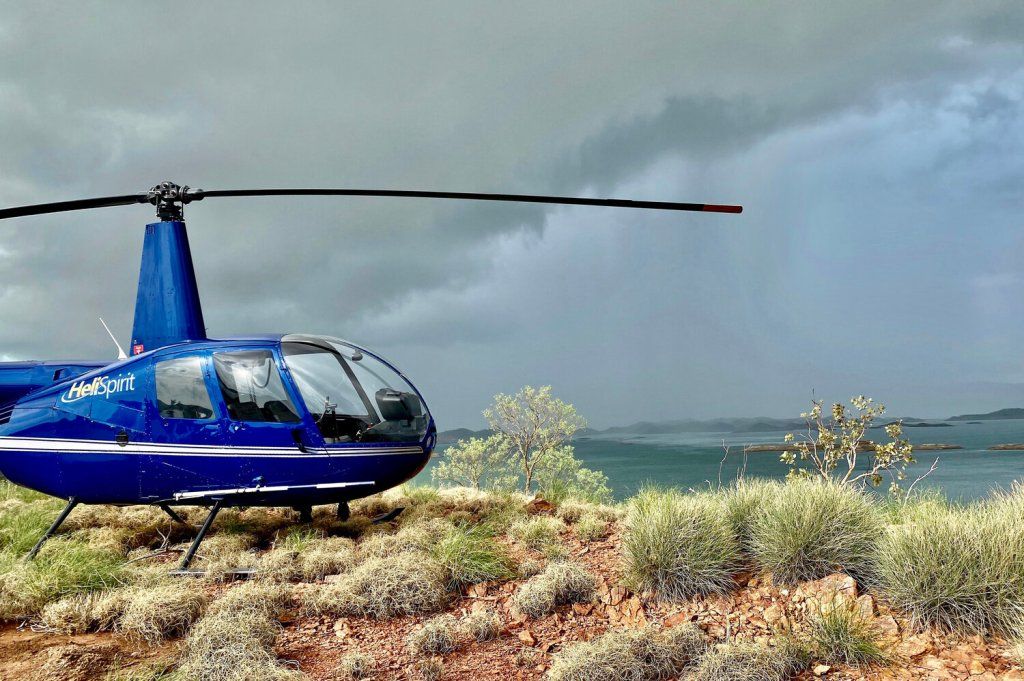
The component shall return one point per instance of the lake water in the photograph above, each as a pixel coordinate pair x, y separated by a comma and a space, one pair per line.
692, 459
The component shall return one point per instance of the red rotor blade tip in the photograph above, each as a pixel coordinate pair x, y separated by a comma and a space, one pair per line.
715, 208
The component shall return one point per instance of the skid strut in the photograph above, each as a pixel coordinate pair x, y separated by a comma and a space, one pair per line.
173, 514
187, 560
72, 502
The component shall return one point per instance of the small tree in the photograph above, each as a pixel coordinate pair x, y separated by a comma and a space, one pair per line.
833, 448
560, 475
468, 463
534, 424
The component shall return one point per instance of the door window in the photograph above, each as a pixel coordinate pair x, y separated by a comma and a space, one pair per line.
252, 387
181, 389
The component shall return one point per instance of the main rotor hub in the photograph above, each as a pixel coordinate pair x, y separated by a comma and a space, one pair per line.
169, 199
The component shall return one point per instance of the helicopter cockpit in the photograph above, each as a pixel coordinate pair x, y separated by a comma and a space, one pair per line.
352, 395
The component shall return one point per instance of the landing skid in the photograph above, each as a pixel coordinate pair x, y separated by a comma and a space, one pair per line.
173, 515
389, 516
72, 502
245, 573
187, 560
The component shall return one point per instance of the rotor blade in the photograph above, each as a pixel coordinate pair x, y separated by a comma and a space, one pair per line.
197, 194
81, 204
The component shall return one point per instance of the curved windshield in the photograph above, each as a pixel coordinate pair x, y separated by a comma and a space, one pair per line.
353, 396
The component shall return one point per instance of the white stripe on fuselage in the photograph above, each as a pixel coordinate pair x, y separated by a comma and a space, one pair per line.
266, 490
67, 446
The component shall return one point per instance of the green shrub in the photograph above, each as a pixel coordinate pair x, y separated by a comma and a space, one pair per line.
469, 555
560, 583
962, 569
630, 655
678, 545
841, 634
812, 528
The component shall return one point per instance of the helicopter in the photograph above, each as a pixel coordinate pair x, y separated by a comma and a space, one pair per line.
286, 420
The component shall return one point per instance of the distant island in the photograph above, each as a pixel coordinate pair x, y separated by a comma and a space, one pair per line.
1000, 415
750, 424
865, 446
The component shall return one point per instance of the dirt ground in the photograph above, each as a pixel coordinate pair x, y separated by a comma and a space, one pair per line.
525, 647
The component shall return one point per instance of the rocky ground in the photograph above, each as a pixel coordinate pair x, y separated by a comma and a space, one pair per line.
756, 610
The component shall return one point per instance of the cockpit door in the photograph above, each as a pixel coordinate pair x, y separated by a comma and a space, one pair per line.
262, 411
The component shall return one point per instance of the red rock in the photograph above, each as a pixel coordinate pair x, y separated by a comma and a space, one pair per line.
676, 619
527, 637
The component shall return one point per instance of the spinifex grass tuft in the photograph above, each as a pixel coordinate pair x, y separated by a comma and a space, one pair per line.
469, 555
962, 569
841, 634
679, 545
811, 528
630, 655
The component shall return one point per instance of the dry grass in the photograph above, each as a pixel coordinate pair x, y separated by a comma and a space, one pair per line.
482, 625
355, 666
679, 545
154, 614
430, 669
630, 655
560, 583
329, 556
233, 645
571, 510
590, 527
307, 557
85, 612
418, 536
537, 532
403, 584
222, 554
435, 637
267, 598
748, 661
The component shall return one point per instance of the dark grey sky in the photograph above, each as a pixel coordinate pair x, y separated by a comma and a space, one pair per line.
878, 148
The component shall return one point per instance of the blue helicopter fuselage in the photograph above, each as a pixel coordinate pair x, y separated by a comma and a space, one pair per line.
106, 434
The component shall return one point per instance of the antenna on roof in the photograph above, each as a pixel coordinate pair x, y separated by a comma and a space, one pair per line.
121, 354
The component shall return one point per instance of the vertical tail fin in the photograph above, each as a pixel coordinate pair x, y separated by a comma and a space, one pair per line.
167, 307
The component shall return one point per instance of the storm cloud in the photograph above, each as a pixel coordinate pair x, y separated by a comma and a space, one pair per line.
878, 149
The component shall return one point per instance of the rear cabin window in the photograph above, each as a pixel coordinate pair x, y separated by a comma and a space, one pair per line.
181, 390
252, 387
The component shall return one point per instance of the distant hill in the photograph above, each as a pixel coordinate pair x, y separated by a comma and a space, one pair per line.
1000, 415
447, 437
755, 424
